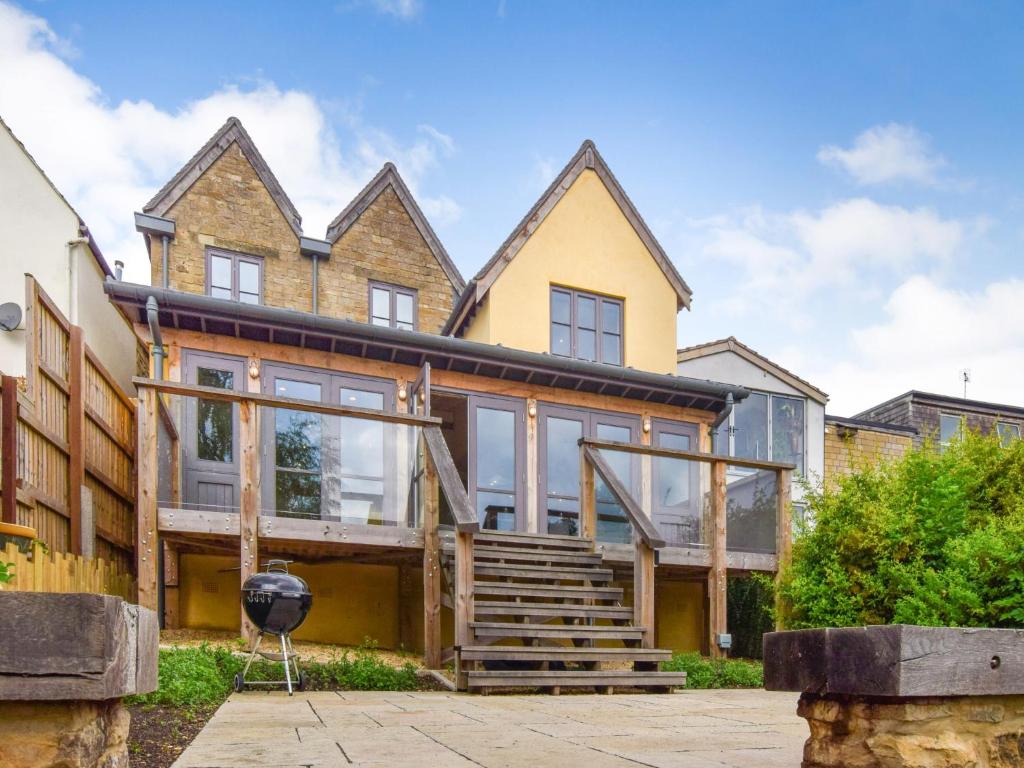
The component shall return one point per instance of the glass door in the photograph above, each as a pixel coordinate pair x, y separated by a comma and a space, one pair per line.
362, 481
676, 508
612, 523
497, 463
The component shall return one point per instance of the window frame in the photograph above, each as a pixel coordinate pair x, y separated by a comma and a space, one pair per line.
730, 429
235, 257
961, 424
393, 291
1013, 432
599, 331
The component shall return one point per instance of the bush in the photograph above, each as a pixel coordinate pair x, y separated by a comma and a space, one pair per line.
932, 538
750, 613
703, 672
201, 676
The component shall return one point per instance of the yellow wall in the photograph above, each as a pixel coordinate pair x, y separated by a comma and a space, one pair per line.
351, 602
585, 242
679, 609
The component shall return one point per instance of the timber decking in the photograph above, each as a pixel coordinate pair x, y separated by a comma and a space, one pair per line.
544, 616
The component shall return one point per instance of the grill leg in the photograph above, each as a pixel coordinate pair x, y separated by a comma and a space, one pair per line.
295, 659
252, 655
287, 667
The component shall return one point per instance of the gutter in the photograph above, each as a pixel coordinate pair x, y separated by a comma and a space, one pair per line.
415, 341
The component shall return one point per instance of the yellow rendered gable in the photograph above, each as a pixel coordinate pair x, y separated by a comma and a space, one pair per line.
585, 242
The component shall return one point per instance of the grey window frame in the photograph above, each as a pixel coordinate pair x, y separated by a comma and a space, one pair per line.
236, 257
517, 406
393, 290
728, 430
599, 330
961, 424
1013, 430
682, 429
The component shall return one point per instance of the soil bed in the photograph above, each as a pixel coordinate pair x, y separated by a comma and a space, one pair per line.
159, 734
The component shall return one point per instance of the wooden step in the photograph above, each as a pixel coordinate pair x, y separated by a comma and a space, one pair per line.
510, 629
541, 653
554, 610
532, 556
574, 678
547, 590
543, 572
503, 539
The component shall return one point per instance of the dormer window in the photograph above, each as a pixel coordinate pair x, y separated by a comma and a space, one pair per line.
586, 326
234, 276
392, 306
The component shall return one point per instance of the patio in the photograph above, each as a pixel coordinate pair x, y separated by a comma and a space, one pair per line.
692, 728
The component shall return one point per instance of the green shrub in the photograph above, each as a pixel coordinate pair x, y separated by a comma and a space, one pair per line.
932, 538
6, 572
751, 613
204, 675
703, 672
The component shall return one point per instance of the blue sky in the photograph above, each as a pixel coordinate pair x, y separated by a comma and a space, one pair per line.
839, 183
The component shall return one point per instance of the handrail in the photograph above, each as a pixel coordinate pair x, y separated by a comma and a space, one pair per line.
448, 478
291, 403
673, 453
641, 523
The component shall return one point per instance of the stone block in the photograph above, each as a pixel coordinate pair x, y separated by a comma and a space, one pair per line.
81, 734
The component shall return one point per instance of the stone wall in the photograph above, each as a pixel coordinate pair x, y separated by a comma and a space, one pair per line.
229, 207
384, 245
848, 449
80, 734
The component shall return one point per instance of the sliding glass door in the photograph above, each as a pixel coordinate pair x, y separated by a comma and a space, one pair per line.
497, 465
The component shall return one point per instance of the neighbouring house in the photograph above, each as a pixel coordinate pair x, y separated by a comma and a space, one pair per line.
783, 419
67, 437
853, 444
484, 472
941, 418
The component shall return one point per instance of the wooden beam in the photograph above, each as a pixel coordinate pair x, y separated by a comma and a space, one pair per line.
588, 502
784, 547
717, 576
249, 509
431, 565
291, 403
171, 582
9, 449
673, 453
464, 612
643, 591
642, 524
446, 474
146, 535
76, 431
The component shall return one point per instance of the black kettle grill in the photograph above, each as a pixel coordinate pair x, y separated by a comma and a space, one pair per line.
277, 603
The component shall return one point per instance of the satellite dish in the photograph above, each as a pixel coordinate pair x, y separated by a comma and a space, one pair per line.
10, 316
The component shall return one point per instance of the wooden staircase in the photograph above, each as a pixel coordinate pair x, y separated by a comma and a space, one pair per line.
546, 615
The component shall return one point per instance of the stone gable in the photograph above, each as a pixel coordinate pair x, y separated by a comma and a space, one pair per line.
229, 207
384, 245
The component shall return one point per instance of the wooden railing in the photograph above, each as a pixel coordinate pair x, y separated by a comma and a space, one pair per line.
647, 539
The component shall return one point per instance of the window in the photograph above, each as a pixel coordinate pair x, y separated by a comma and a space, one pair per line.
950, 426
215, 418
766, 427
586, 326
234, 276
392, 306
1007, 433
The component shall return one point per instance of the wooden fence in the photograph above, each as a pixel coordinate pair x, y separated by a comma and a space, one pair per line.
71, 431
39, 570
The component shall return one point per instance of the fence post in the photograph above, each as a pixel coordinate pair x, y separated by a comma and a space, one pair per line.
431, 564
171, 601
643, 589
784, 527
146, 535
588, 502
9, 448
249, 508
76, 429
718, 620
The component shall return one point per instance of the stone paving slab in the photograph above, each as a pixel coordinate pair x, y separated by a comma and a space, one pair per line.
709, 729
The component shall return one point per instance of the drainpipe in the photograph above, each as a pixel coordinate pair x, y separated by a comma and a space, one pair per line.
316, 274
153, 316
317, 251
165, 247
118, 269
720, 420
73, 246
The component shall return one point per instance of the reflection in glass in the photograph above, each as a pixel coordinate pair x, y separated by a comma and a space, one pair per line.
788, 430
563, 475
751, 512
248, 282
215, 420
586, 312
220, 277
496, 467
561, 323
586, 345
611, 317
612, 523
674, 510
380, 301
361, 456
750, 427
403, 311
611, 349
297, 451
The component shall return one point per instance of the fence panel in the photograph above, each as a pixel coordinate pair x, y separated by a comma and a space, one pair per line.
38, 570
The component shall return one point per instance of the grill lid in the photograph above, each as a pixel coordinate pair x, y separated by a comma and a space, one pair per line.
276, 601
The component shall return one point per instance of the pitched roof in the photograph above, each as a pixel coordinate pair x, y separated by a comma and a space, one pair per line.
732, 344
586, 157
229, 133
83, 228
388, 176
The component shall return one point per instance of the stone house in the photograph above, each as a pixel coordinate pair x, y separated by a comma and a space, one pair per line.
852, 444
453, 466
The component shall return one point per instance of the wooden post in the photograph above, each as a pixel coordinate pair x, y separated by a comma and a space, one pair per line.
9, 449
588, 502
431, 566
718, 575
76, 430
146, 535
643, 590
464, 612
249, 509
171, 581
784, 545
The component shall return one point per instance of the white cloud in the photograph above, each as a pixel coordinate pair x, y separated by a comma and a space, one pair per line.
928, 333
887, 153
783, 259
108, 159
441, 210
400, 9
